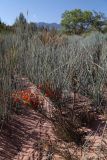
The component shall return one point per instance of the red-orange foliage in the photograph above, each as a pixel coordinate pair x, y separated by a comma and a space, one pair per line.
27, 98
48, 91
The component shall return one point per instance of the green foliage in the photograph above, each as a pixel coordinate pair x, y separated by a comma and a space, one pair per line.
21, 20
20, 23
2, 26
5, 29
32, 27
78, 21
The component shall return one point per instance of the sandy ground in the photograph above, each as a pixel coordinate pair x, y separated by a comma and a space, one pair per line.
29, 136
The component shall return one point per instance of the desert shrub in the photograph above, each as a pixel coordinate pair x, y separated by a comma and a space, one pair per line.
57, 63
93, 77
71, 63
5, 77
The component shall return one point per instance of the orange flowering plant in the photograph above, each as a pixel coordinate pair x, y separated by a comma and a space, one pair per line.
45, 89
27, 98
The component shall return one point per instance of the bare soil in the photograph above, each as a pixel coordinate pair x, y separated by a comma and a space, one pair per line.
28, 135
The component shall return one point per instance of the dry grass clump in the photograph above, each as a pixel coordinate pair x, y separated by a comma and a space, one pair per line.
50, 38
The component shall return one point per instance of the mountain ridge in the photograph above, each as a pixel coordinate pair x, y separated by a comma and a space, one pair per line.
49, 25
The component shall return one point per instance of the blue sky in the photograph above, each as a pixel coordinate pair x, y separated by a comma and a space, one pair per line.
46, 10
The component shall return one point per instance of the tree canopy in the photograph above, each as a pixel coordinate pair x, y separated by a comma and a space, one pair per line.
78, 21
5, 28
22, 24
21, 20
2, 26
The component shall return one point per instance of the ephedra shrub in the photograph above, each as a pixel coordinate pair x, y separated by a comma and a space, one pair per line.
5, 75
25, 54
58, 64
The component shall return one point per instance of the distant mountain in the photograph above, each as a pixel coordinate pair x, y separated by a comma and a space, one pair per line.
49, 25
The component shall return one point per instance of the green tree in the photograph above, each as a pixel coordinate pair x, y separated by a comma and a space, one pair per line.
2, 26
78, 21
20, 22
98, 21
21, 19
32, 27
